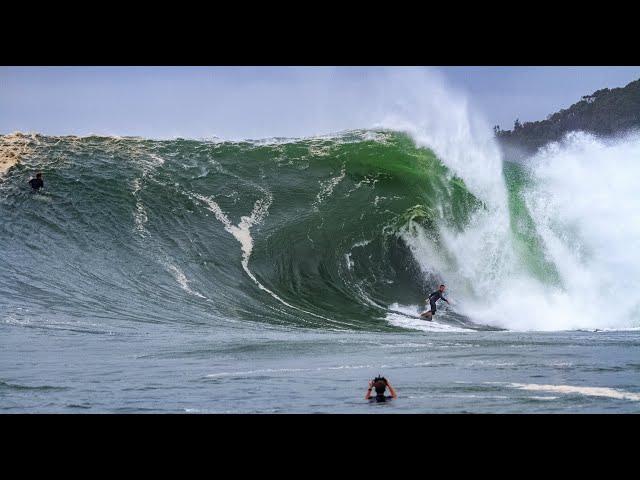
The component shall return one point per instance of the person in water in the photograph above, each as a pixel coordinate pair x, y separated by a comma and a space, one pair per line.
36, 183
433, 298
380, 384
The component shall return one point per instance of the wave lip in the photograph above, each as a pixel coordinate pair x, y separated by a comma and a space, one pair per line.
12, 149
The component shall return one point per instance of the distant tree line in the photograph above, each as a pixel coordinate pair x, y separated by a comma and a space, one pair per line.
605, 112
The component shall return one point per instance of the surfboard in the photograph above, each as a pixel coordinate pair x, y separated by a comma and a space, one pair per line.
405, 314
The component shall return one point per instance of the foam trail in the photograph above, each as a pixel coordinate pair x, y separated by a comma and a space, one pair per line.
404, 316
148, 167
327, 188
286, 370
242, 234
141, 218
182, 280
589, 391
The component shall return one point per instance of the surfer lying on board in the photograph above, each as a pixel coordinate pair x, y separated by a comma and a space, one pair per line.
433, 298
380, 384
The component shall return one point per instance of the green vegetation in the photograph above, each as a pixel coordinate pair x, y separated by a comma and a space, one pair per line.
606, 112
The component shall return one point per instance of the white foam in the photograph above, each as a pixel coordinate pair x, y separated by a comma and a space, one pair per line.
326, 187
584, 204
288, 370
320, 149
589, 391
361, 244
254, 372
349, 261
182, 280
140, 217
404, 321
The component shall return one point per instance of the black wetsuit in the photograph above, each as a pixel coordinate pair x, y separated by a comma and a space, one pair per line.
36, 184
433, 298
380, 394
380, 398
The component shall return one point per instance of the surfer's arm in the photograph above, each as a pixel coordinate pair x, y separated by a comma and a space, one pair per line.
391, 389
368, 395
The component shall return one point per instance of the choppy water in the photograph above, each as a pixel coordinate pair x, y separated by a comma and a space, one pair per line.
78, 367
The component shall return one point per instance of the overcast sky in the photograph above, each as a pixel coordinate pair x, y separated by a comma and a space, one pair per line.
253, 102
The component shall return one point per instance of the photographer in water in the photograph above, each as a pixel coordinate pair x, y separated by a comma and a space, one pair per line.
380, 384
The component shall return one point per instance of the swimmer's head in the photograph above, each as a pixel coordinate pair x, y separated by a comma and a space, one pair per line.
380, 384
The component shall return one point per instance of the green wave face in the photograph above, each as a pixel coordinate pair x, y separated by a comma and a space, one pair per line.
156, 230
339, 208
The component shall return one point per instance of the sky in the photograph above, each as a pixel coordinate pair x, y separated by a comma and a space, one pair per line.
257, 102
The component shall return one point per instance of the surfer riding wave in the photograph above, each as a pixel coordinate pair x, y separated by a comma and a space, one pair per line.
433, 298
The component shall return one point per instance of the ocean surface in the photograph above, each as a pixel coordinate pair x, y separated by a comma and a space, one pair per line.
280, 275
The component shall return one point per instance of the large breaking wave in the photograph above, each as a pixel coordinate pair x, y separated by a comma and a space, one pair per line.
348, 231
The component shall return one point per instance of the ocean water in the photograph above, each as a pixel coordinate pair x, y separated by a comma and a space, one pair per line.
75, 368
280, 275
